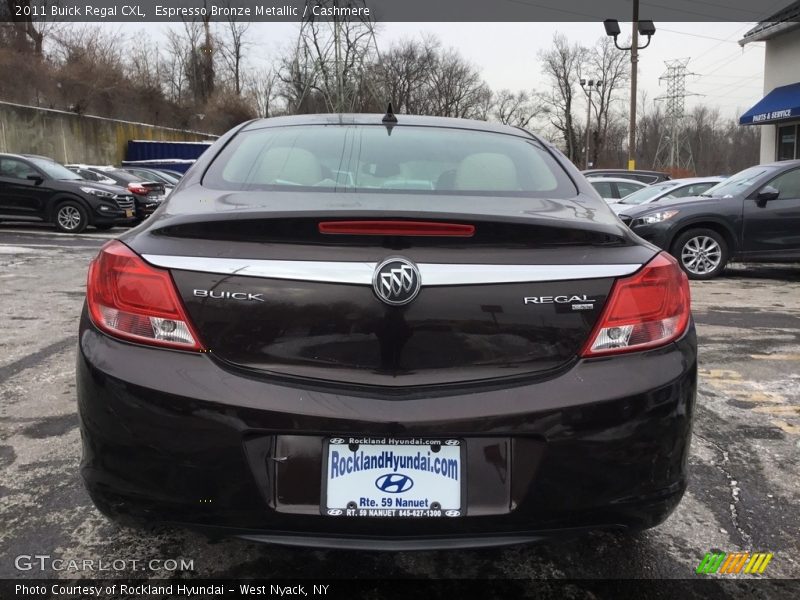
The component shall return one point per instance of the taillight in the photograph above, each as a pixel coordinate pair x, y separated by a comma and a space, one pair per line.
645, 310
132, 300
138, 189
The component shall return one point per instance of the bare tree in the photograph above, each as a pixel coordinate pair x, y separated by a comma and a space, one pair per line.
406, 71
331, 62
263, 88
176, 65
604, 62
561, 66
232, 46
27, 36
517, 109
91, 72
457, 88
201, 61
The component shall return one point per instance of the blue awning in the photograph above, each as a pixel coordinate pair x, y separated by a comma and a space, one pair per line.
780, 104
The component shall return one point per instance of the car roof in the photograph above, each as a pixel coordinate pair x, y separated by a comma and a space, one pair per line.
690, 180
599, 172
781, 163
23, 156
591, 179
376, 119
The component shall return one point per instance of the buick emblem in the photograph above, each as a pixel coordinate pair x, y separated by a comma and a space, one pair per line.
396, 281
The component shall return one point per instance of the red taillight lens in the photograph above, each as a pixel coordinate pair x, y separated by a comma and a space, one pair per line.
129, 299
137, 189
645, 310
400, 228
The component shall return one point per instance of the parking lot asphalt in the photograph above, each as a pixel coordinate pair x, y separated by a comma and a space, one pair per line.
743, 492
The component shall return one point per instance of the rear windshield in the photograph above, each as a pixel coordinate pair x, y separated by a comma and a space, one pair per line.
354, 158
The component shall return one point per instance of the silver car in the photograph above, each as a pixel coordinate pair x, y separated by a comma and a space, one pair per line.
674, 188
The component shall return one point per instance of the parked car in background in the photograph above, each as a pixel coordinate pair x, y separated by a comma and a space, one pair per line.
148, 194
420, 358
674, 188
176, 174
90, 175
34, 188
752, 216
612, 189
648, 177
169, 181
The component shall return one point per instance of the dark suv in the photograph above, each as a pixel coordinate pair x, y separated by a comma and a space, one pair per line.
34, 188
753, 216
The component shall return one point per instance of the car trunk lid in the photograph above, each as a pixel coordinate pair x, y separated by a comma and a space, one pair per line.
285, 296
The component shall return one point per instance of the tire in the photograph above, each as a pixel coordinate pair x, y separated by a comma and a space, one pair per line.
70, 217
701, 253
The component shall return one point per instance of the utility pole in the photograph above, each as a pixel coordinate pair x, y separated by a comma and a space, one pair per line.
638, 28
674, 150
587, 87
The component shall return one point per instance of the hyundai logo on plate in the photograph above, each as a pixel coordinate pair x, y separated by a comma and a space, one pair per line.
452, 513
396, 281
452, 442
394, 483
337, 441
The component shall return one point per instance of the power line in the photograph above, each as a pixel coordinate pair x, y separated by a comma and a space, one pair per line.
697, 35
728, 59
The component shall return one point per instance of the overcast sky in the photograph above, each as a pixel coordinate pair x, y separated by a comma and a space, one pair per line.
729, 76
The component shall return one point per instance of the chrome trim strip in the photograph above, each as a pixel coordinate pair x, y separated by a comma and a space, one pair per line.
360, 273
300, 270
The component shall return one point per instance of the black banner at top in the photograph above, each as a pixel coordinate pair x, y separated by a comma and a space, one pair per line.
396, 10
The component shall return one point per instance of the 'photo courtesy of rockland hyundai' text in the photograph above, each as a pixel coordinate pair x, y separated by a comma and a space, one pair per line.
350, 299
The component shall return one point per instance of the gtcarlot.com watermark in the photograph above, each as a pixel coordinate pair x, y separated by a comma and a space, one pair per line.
46, 563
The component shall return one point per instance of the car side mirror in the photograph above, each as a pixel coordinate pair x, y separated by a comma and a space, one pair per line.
765, 194
37, 179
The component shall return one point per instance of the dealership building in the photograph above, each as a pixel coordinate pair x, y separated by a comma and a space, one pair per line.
778, 113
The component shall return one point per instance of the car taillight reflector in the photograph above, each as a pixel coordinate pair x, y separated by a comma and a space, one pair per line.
404, 228
137, 189
645, 310
129, 299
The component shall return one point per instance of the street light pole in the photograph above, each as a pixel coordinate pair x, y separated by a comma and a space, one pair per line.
588, 124
634, 72
587, 87
639, 28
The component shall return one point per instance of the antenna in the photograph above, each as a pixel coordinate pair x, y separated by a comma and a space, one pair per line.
389, 117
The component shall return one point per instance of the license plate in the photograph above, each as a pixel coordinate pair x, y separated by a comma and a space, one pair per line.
388, 477
129, 212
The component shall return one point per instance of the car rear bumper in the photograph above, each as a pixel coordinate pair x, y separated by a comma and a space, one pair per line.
175, 437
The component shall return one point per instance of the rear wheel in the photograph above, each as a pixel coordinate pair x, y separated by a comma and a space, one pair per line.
71, 217
702, 253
